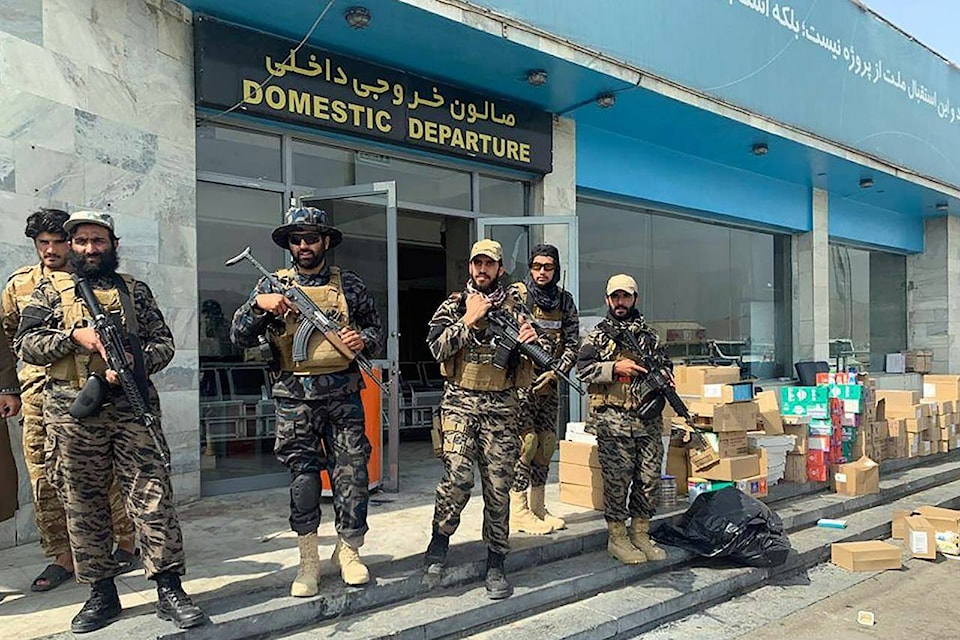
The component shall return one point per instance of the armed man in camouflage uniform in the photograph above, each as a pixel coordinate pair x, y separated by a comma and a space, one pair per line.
45, 228
630, 446
83, 455
479, 410
554, 316
320, 420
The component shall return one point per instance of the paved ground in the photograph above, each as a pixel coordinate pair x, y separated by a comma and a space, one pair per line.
917, 603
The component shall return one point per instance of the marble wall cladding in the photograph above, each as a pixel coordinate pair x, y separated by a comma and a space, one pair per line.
96, 111
23, 19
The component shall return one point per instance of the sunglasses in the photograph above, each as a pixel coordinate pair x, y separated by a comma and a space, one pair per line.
541, 266
310, 238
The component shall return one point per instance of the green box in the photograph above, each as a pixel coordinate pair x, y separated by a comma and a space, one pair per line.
846, 391
805, 401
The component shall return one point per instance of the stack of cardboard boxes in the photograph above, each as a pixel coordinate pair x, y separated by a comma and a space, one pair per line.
944, 392
580, 480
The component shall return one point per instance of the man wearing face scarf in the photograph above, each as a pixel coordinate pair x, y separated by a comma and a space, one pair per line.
554, 315
630, 446
479, 410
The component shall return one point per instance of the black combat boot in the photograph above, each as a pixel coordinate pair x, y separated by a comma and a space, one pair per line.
175, 605
497, 586
437, 550
102, 608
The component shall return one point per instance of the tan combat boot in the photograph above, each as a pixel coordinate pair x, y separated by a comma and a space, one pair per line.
539, 509
640, 537
620, 547
306, 584
522, 520
352, 570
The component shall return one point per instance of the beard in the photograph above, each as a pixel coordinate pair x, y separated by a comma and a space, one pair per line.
620, 311
311, 261
487, 288
95, 266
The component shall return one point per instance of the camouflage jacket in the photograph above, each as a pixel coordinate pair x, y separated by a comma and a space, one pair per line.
42, 339
249, 323
16, 295
564, 346
8, 368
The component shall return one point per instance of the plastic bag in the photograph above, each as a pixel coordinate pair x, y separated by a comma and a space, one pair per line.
729, 524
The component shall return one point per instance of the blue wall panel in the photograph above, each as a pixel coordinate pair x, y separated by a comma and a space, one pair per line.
622, 166
882, 228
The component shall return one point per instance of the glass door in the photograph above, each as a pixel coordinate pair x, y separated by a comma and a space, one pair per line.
367, 216
518, 235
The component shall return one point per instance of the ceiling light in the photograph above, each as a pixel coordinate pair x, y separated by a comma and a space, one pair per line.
537, 77
357, 17
943, 207
866, 183
760, 149
606, 100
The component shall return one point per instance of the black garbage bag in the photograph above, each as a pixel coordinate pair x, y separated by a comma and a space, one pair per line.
729, 524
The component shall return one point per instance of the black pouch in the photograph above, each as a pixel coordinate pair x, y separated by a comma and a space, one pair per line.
91, 397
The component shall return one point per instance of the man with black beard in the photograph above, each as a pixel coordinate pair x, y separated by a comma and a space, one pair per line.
320, 419
479, 410
629, 442
83, 454
554, 315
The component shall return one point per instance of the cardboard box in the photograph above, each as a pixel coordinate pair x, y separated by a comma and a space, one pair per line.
805, 401
677, 467
858, 478
580, 474
738, 416
755, 486
921, 538
582, 496
691, 380
768, 408
871, 555
898, 524
896, 363
941, 387
898, 398
795, 469
732, 469
579, 453
946, 520
702, 458
731, 443
800, 432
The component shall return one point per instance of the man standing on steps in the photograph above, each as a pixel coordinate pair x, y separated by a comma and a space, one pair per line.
320, 420
630, 446
554, 316
479, 409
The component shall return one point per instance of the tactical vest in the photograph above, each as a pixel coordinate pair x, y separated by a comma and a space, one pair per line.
77, 366
22, 283
550, 322
472, 366
612, 394
322, 357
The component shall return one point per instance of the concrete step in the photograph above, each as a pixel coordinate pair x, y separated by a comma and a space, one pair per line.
459, 612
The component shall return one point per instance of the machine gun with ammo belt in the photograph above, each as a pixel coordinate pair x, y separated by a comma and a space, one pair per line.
505, 328
133, 381
312, 319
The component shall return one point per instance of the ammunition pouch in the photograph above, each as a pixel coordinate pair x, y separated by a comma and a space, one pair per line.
91, 397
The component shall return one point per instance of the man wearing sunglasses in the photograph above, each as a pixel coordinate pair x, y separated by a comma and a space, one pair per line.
554, 315
320, 420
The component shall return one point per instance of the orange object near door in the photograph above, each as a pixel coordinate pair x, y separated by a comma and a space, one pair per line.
370, 397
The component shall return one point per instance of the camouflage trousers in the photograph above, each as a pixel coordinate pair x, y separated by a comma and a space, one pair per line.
481, 427
631, 456
82, 458
48, 510
538, 437
317, 435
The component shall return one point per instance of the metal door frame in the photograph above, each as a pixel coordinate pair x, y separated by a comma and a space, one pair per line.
572, 266
391, 479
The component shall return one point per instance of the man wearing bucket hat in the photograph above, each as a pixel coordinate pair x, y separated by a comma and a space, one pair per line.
554, 314
83, 454
629, 442
320, 420
479, 409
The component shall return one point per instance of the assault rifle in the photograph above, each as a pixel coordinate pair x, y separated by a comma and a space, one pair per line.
133, 381
507, 331
312, 319
659, 383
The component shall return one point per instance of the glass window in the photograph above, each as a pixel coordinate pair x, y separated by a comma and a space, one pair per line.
238, 152
868, 301
502, 197
416, 182
714, 293
319, 166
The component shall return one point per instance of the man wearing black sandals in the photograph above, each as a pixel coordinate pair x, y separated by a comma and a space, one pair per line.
45, 229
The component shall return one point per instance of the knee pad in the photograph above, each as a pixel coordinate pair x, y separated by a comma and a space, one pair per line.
305, 491
548, 444
528, 447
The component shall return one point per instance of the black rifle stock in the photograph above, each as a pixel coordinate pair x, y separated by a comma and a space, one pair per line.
508, 331
313, 319
111, 337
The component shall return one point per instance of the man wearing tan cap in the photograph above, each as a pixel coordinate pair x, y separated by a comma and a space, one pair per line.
85, 449
479, 410
629, 440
